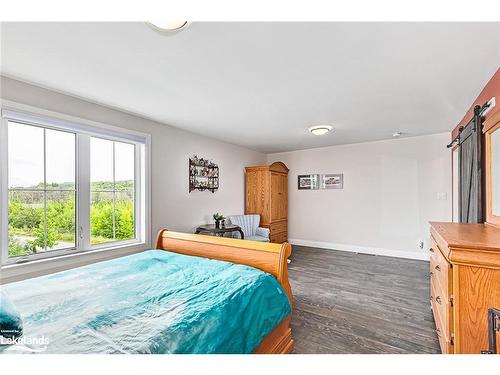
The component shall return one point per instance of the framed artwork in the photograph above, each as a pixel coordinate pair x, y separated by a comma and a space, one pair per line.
332, 181
308, 182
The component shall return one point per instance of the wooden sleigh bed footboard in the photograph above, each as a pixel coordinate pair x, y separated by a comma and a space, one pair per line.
268, 257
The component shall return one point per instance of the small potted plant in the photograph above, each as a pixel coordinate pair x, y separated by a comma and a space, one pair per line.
218, 218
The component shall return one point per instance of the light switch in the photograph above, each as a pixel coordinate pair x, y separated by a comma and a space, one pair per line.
441, 196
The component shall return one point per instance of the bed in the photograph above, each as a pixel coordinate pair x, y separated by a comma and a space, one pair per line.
192, 294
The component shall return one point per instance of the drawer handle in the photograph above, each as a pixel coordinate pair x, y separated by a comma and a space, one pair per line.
438, 268
438, 299
431, 250
438, 331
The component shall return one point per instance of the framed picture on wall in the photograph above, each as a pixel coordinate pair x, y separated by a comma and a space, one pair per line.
308, 182
332, 181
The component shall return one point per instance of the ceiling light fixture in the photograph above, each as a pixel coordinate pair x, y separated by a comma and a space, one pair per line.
167, 26
397, 134
320, 129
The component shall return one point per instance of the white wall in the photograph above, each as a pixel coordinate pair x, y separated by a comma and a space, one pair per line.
172, 204
391, 192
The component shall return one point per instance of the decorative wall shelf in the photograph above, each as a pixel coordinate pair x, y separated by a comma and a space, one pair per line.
203, 174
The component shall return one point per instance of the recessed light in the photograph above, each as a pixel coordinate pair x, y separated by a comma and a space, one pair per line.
167, 26
320, 129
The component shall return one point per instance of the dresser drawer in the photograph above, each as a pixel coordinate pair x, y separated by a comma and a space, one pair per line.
279, 227
445, 343
440, 307
441, 289
442, 310
440, 270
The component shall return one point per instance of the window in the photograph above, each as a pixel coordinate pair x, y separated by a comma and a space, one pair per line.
112, 187
41, 164
69, 188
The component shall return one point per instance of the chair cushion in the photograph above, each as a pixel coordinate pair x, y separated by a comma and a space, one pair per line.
262, 232
247, 223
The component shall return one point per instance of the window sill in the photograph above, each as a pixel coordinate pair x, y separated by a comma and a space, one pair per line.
38, 267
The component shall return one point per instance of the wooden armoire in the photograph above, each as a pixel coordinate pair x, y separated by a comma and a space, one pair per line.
267, 195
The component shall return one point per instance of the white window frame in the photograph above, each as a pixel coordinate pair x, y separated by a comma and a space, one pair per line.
84, 130
51, 253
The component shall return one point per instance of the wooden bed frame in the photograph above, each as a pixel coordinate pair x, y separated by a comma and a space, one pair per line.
268, 257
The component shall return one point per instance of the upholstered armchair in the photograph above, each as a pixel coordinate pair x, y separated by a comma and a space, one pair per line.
250, 226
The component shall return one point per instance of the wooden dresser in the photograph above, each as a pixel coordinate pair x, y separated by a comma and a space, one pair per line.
267, 195
465, 282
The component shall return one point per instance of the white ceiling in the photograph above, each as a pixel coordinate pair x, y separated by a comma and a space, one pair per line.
261, 85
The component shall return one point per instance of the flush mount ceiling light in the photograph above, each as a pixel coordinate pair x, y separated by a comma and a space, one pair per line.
166, 27
320, 129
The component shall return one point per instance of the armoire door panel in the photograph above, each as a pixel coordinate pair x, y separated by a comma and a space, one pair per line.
276, 196
284, 197
257, 195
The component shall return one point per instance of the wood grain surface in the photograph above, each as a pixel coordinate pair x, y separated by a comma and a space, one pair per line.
356, 303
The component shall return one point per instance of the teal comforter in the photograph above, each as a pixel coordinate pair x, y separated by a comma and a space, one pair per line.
151, 302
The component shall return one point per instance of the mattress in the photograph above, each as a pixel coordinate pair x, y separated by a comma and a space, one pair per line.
155, 301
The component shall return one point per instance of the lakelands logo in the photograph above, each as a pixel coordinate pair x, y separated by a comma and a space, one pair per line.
31, 344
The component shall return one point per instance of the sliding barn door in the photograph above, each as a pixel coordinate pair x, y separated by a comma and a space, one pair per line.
469, 169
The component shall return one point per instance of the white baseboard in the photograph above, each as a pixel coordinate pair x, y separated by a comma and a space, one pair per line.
362, 249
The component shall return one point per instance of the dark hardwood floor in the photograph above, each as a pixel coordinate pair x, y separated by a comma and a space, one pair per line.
356, 303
